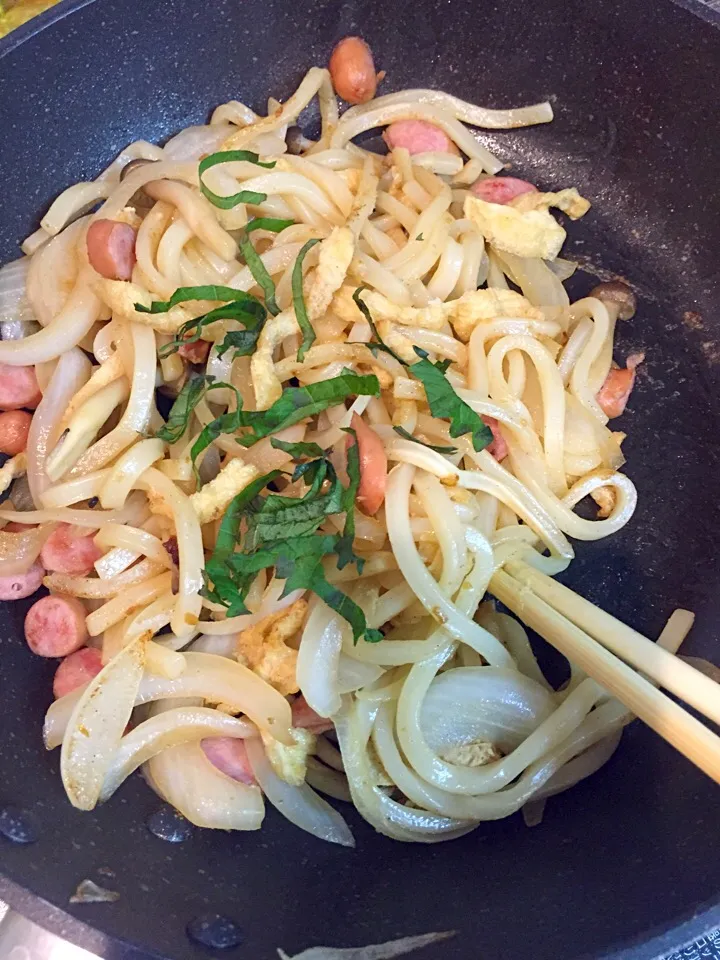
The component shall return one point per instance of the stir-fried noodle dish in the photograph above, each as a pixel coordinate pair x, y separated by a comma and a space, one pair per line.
284, 418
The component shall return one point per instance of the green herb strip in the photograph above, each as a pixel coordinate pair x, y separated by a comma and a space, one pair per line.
306, 328
379, 344
244, 196
431, 446
446, 404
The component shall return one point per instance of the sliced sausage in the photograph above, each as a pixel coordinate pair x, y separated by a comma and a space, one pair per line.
373, 466
498, 448
304, 716
229, 756
55, 626
14, 429
352, 70
111, 249
501, 189
65, 552
418, 136
18, 387
615, 392
22, 585
76, 670
196, 352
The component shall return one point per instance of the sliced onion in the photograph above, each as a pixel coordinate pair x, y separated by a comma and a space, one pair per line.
96, 725
327, 780
169, 728
19, 551
72, 371
212, 678
318, 657
184, 777
483, 703
301, 805
193, 142
52, 271
15, 309
354, 674
223, 645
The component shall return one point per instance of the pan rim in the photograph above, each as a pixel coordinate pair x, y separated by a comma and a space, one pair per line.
658, 941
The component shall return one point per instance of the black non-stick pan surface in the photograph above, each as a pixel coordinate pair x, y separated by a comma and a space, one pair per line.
625, 865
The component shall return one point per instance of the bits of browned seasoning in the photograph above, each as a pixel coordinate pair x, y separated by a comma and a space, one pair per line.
352, 70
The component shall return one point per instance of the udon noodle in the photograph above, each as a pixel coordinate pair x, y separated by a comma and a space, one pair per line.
278, 616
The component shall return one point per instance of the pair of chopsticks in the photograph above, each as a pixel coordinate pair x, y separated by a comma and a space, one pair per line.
607, 650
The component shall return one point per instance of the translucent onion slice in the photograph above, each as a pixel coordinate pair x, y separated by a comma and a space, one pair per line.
14, 306
212, 678
301, 805
18, 551
96, 725
189, 782
171, 728
483, 703
72, 371
318, 659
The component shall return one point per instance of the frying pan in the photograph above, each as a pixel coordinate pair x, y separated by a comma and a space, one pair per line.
623, 866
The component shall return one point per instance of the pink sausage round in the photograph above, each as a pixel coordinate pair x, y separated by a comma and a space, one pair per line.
76, 670
304, 716
22, 584
229, 756
111, 249
498, 448
501, 189
14, 429
64, 552
18, 387
418, 136
373, 467
55, 626
196, 352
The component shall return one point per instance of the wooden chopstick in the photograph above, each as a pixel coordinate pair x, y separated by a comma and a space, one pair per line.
658, 711
667, 670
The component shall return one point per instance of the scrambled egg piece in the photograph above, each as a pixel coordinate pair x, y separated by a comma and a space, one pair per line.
344, 307
474, 754
211, 502
12, 469
336, 253
604, 497
290, 762
122, 295
568, 200
262, 647
464, 313
532, 234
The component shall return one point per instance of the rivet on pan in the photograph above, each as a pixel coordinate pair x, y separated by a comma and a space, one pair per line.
167, 824
18, 826
215, 932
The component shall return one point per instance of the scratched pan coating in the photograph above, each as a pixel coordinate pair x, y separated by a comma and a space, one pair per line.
623, 866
